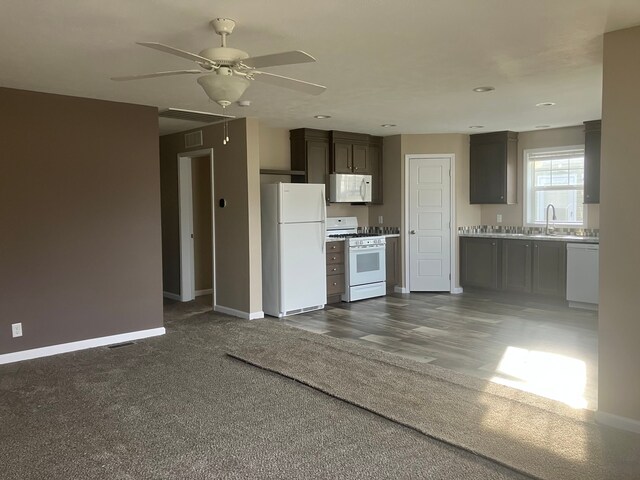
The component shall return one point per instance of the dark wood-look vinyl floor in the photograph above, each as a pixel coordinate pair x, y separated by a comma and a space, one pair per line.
542, 347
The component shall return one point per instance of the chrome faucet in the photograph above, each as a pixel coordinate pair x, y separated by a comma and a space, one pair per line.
547, 230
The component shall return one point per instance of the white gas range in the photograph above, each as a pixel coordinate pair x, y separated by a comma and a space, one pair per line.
365, 272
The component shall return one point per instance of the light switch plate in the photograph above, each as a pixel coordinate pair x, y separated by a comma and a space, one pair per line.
380, 221
16, 329
499, 218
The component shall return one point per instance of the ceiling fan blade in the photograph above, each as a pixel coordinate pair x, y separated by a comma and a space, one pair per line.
176, 51
275, 59
286, 82
156, 74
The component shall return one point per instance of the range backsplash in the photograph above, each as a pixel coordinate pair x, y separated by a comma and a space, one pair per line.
583, 232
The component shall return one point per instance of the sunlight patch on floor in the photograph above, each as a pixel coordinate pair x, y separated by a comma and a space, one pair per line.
550, 375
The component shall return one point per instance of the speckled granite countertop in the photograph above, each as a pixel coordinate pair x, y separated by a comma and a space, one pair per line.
535, 236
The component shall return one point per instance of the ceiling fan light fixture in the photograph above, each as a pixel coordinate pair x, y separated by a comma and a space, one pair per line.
223, 89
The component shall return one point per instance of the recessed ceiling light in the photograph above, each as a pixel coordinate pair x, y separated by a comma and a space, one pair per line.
476, 126
545, 104
483, 89
387, 125
322, 116
543, 126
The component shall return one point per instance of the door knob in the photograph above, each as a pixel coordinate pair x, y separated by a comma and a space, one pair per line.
412, 232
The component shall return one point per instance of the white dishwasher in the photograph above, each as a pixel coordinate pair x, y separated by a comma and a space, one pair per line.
583, 275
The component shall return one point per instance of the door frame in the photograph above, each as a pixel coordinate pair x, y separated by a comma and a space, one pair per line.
452, 209
185, 222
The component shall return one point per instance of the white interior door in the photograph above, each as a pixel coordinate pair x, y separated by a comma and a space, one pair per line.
429, 225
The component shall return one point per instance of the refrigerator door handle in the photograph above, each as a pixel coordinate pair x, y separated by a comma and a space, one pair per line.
324, 220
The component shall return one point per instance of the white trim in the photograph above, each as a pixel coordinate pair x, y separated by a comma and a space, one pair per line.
399, 289
616, 421
172, 296
80, 345
456, 290
452, 216
208, 291
185, 213
238, 313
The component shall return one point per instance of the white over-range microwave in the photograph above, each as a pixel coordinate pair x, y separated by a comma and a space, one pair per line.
349, 188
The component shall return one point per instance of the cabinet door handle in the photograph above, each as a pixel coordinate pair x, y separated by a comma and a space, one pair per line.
334, 284
527, 245
493, 243
333, 247
333, 258
501, 197
334, 269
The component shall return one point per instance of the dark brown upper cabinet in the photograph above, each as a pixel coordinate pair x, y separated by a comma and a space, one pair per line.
493, 168
374, 156
592, 134
350, 152
317, 153
310, 152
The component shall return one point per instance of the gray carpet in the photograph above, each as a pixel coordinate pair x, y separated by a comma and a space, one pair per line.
176, 407
535, 436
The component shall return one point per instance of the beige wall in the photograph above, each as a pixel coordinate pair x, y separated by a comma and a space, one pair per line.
237, 242
619, 317
512, 215
80, 251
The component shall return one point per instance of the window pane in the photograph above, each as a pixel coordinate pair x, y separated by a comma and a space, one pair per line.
557, 177
568, 204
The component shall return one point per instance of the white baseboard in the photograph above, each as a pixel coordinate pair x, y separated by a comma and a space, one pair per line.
456, 290
616, 421
238, 313
398, 289
172, 296
208, 291
80, 345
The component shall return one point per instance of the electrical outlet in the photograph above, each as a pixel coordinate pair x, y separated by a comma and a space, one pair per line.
499, 218
380, 221
16, 329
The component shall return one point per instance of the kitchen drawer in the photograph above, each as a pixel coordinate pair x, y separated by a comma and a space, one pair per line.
335, 269
335, 247
335, 284
333, 258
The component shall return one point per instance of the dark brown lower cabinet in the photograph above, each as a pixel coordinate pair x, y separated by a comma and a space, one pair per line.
516, 266
335, 271
519, 266
550, 268
391, 262
479, 262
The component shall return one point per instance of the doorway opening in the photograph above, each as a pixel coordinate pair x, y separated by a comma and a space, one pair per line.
197, 224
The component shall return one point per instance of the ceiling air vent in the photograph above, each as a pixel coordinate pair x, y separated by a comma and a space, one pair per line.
193, 139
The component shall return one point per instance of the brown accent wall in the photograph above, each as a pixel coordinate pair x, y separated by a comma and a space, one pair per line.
237, 241
619, 315
80, 245
202, 222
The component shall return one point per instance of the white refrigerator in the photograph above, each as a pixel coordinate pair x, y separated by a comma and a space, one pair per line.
293, 248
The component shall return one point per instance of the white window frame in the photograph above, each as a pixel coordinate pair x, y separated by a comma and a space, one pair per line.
526, 191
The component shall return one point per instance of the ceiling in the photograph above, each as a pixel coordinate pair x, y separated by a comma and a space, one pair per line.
412, 63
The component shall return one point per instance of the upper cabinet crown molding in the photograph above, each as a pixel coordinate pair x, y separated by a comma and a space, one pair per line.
493, 168
592, 140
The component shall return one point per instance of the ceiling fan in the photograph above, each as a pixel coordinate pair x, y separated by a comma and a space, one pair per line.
227, 72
